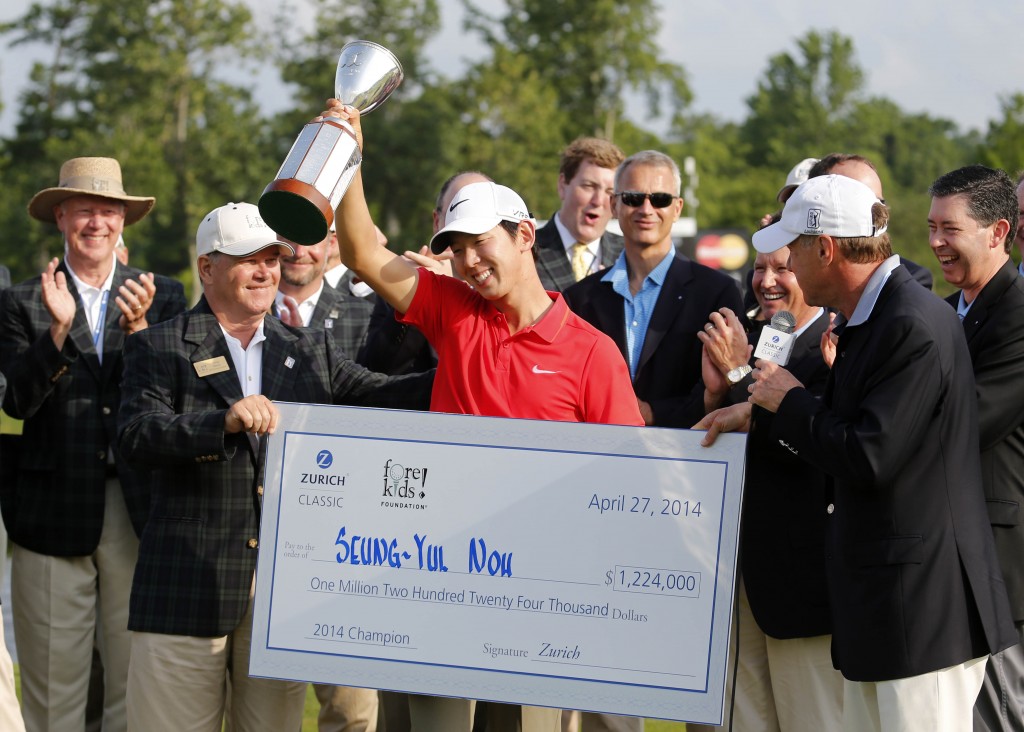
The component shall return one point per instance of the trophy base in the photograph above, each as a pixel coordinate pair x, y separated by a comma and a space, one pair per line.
297, 211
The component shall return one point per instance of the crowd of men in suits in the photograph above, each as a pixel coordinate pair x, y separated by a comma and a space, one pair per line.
880, 583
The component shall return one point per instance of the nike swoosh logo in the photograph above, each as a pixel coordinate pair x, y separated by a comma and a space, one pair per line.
538, 370
457, 203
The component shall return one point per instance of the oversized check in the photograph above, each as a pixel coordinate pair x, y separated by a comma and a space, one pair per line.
576, 566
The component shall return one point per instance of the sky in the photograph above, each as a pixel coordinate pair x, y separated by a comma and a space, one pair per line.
950, 60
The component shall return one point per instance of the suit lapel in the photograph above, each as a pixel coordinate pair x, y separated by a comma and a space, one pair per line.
80, 333
671, 301
205, 333
551, 258
345, 282
992, 292
611, 247
608, 307
807, 348
113, 336
975, 319
328, 307
898, 278
280, 360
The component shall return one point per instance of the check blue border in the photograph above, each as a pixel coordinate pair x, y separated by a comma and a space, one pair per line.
718, 556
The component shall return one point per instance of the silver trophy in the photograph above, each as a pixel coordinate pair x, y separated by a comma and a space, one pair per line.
299, 203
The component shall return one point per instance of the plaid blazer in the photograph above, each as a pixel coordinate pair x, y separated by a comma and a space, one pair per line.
53, 501
346, 316
553, 265
198, 551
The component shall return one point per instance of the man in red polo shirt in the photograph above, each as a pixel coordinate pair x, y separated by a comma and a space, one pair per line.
505, 346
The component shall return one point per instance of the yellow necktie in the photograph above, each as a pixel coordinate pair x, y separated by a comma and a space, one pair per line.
580, 265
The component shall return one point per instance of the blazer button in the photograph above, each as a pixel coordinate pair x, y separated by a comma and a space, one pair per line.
101, 455
252, 543
831, 508
106, 410
259, 490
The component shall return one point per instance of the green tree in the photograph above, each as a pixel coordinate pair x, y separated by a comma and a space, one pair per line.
24, 154
410, 137
591, 53
1003, 144
511, 128
802, 101
309, 61
139, 82
911, 149
732, 193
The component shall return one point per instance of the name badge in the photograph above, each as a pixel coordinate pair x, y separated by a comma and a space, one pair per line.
211, 366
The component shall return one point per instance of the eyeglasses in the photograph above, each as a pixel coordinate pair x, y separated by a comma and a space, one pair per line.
636, 198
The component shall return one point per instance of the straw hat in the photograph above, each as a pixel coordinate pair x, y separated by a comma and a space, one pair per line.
89, 177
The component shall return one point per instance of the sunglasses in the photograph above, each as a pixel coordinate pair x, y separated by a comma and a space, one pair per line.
636, 198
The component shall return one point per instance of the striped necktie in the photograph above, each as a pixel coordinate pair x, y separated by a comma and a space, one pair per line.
580, 265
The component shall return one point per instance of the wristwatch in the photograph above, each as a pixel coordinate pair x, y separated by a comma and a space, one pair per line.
737, 374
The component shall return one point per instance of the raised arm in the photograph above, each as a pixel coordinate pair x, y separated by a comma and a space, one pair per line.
390, 276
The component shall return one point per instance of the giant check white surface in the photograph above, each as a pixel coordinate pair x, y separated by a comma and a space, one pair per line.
569, 565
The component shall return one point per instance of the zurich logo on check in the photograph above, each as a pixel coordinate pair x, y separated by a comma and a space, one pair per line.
538, 370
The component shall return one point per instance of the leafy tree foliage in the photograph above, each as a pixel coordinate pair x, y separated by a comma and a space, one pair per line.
405, 136
139, 82
146, 83
1002, 146
802, 101
601, 49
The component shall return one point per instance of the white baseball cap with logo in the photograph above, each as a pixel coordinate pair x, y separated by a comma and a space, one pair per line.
479, 207
236, 229
829, 204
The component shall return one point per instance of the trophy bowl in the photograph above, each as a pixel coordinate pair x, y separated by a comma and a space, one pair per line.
299, 203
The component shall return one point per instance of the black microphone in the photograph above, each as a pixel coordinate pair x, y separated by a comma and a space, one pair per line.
776, 340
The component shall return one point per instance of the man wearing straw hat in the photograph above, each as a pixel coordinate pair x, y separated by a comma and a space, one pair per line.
73, 509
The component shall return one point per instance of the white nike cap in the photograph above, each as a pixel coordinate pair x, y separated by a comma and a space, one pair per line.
479, 207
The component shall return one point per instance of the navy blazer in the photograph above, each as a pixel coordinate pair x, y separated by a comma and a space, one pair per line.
994, 328
913, 578
198, 551
393, 347
669, 364
54, 502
